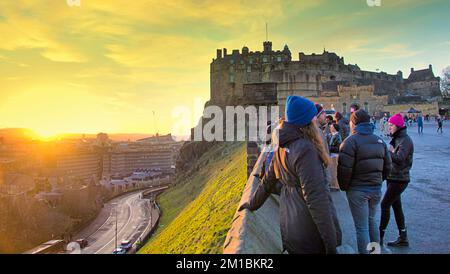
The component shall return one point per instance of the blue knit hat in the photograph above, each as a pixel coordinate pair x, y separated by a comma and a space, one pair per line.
299, 110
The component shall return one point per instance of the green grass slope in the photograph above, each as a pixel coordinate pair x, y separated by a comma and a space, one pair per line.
198, 213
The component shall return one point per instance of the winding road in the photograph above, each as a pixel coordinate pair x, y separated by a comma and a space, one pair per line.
133, 217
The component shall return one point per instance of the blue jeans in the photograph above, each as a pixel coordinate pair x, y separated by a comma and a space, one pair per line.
363, 205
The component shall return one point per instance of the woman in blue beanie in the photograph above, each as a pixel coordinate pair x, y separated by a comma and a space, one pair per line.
307, 215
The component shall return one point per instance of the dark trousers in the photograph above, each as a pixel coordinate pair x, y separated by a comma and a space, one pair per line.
392, 198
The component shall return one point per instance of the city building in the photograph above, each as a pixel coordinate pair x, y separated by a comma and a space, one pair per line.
157, 153
102, 158
83, 163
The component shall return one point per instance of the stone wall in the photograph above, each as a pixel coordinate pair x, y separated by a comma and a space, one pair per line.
427, 108
260, 94
430, 88
344, 97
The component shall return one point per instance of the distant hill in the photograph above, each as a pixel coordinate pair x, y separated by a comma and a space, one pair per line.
23, 134
198, 212
113, 136
17, 134
128, 136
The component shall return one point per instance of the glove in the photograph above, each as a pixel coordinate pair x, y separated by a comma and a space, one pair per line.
244, 206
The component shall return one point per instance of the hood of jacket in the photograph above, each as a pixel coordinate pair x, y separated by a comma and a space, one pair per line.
401, 132
288, 133
364, 128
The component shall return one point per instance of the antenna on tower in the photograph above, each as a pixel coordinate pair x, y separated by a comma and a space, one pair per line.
267, 33
155, 125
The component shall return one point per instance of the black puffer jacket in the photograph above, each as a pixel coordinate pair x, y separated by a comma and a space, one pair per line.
402, 157
308, 218
364, 159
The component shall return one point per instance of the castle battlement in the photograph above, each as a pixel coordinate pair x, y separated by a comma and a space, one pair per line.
310, 75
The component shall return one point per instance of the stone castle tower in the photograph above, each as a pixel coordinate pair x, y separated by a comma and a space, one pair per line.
270, 76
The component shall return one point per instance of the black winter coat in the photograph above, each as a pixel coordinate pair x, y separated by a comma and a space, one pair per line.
402, 157
364, 159
308, 218
335, 143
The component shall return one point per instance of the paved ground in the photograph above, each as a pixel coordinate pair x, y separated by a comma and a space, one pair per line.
133, 217
426, 201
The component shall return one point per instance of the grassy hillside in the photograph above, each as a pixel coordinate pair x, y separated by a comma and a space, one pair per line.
197, 214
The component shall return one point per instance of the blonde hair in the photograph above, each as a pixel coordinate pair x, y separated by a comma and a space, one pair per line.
311, 132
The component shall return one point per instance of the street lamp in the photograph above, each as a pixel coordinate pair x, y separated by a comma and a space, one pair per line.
151, 215
115, 213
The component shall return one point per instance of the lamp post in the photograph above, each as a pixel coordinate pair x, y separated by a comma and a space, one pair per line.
151, 211
115, 213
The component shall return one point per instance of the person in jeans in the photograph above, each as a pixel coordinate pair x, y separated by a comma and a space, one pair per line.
397, 181
420, 124
364, 162
439, 121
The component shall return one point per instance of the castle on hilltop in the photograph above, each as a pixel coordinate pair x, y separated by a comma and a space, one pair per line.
268, 77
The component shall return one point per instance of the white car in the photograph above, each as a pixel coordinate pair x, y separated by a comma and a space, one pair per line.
126, 245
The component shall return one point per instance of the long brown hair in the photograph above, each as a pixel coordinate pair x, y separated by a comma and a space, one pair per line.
311, 132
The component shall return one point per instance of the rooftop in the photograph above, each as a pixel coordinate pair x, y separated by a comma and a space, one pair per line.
421, 75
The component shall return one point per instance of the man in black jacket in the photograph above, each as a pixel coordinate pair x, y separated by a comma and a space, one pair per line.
397, 181
364, 163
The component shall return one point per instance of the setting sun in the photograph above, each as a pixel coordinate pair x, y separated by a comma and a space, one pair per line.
64, 69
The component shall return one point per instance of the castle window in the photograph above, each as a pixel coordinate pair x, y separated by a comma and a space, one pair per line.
332, 77
250, 61
242, 62
279, 58
249, 69
231, 78
265, 59
231, 61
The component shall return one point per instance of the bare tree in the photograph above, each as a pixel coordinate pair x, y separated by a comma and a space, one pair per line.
445, 82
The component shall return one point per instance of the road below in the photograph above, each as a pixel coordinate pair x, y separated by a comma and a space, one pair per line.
129, 212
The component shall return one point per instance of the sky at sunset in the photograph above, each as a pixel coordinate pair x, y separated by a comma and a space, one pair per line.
108, 65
